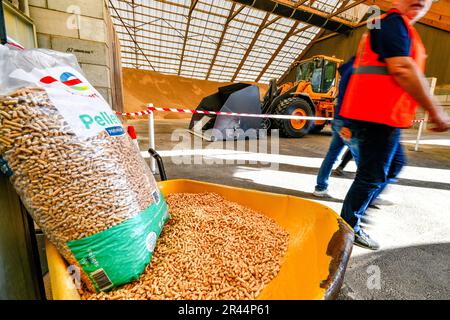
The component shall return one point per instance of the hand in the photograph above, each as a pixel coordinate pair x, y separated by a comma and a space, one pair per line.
441, 122
345, 133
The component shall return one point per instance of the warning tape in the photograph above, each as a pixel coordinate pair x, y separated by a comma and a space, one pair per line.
134, 114
151, 108
236, 114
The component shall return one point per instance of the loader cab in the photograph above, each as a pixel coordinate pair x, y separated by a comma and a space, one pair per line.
320, 72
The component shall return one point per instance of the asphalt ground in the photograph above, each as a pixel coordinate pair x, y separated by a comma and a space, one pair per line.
414, 233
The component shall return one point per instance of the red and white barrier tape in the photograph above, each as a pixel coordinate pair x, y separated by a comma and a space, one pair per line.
151, 108
133, 114
236, 114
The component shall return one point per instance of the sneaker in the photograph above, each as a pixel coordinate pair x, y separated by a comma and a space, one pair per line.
363, 240
321, 194
339, 171
382, 202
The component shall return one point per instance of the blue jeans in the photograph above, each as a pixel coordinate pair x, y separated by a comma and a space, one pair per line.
381, 158
336, 146
396, 165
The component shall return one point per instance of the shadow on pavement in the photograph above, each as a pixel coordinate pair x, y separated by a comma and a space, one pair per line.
416, 272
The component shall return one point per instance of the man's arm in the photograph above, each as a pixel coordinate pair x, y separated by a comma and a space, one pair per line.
409, 77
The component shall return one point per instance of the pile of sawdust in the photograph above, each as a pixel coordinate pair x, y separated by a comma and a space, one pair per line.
211, 248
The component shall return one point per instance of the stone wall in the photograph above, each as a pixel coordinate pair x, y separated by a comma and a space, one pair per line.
78, 27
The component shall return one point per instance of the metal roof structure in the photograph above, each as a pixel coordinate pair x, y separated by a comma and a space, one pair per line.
221, 40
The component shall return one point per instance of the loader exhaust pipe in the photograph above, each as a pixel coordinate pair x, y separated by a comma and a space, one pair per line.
298, 14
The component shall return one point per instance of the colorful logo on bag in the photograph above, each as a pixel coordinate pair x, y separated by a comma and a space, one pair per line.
68, 79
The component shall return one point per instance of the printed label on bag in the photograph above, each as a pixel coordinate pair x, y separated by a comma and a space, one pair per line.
155, 196
151, 241
115, 131
120, 254
80, 104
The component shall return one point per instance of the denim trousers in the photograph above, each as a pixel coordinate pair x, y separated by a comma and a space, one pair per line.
381, 157
336, 146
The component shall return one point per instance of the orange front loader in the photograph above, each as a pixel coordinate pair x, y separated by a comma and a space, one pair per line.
313, 93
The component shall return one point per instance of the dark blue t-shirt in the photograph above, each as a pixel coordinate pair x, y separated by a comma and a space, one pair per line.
392, 39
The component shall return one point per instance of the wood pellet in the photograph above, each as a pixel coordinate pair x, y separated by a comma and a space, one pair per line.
72, 187
211, 248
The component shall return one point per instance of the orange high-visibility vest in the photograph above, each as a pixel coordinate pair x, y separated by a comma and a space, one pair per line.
372, 93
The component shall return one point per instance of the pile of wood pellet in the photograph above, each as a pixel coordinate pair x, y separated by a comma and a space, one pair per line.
72, 187
211, 248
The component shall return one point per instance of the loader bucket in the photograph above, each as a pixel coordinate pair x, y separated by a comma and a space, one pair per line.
239, 97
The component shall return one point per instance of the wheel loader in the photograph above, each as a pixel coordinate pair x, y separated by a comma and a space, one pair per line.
312, 92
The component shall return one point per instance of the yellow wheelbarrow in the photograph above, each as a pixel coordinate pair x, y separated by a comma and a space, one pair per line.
320, 243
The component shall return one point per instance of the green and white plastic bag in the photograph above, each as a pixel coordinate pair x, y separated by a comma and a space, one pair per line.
77, 172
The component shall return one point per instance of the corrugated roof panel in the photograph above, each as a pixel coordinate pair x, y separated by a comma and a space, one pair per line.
160, 27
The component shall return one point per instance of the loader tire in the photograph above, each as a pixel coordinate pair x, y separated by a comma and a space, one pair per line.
294, 128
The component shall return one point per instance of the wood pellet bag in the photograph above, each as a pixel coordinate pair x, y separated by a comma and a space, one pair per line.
79, 175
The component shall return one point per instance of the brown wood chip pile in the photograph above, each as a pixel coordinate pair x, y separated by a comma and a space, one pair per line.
211, 248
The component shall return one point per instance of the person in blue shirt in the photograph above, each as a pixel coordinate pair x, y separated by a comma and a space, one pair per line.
337, 143
391, 40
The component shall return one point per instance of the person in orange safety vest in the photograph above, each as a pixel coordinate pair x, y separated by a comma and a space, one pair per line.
385, 88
